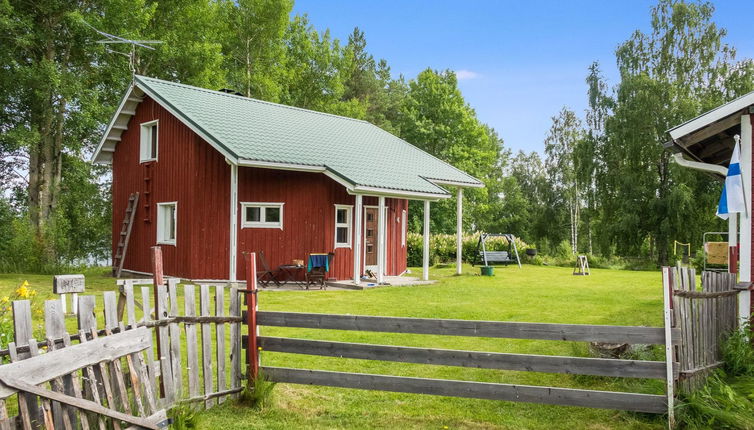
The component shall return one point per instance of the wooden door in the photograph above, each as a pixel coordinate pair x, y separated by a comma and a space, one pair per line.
370, 236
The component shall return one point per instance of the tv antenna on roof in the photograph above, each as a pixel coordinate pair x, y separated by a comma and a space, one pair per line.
111, 39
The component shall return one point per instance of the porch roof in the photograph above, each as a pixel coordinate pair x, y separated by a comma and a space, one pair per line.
256, 133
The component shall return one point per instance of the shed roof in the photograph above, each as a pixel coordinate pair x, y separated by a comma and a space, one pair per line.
252, 132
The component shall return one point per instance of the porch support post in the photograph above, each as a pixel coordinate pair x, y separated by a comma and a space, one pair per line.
233, 226
358, 212
425, 253
459, 231
744, 298
381, 239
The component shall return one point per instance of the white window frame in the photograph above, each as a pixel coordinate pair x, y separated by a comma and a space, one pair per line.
262, 215
348, 224
145, 141
404, 225
161, 224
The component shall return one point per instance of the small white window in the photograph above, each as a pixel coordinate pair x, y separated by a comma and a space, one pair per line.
148, 148
343, 226
262, 215
403, 228
166, 222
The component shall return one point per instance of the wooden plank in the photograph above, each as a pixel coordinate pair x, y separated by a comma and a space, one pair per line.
47, 417
24, 399
22, 333
163, 345
477, 390
135, 384
5, 423
55, 329
86, 318
106, 379
93, 381
146, 317
66, 284
447, 327
67, 360
146, 304
235, 340
192, 357
149, 388
220, 340
206, 343
175, 340
116, 370
79, 403
111, 309
128, 290
474, 359
75, 382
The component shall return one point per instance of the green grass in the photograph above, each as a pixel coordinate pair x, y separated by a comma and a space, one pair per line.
532, 294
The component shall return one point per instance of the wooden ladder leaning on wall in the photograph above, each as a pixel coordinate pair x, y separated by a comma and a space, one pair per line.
125, 234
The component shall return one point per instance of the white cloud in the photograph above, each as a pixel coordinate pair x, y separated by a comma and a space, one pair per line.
464, 75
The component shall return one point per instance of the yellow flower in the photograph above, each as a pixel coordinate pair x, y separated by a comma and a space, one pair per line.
5, 299
22, 291
25, 284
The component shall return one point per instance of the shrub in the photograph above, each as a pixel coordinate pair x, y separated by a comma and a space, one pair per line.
258, 394
718, 405
738, 353
442, 247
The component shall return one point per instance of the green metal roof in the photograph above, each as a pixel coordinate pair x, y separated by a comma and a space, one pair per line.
355, 151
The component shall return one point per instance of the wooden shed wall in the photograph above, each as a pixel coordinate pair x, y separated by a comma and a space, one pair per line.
187, 170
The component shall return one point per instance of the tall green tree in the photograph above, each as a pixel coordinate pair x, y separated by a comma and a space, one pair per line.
254, 47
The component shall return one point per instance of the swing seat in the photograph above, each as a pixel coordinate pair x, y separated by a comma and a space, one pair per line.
502, 257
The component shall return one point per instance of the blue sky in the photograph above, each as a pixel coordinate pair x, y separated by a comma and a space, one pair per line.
519, 61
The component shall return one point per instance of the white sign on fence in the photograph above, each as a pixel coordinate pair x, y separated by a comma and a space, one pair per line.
68, 284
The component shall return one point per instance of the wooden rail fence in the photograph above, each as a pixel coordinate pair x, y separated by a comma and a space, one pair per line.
197, 364
666, 370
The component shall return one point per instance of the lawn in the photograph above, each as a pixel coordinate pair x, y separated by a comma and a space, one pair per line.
532, 294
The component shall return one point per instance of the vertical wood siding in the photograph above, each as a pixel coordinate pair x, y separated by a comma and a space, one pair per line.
191, 172
188, 171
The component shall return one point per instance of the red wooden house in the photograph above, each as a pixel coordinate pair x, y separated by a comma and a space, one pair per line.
219, 174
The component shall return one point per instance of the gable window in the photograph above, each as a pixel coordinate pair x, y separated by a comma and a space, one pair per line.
343, 226
148, 146
404, 224
262, 215
166, 223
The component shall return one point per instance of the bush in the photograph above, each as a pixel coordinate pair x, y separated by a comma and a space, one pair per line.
738, 353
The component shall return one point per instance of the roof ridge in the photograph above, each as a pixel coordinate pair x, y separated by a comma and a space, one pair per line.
250, 99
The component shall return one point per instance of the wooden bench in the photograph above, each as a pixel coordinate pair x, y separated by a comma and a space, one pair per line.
85, 385
495, 257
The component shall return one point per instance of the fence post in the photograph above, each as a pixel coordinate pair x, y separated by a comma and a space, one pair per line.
157, 282
252, 353
666, 288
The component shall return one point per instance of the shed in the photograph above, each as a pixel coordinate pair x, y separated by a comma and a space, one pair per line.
219, 174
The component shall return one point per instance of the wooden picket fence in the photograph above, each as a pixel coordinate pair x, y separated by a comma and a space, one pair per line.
704, 318
173, 362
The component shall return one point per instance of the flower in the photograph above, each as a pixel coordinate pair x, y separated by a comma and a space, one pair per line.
5, 299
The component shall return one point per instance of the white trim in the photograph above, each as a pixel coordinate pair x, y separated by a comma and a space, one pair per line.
364, 235
126, 98
376, 192
744, 300
404, 227
207, 138
144, 129
244, 162
358, 215
261, 224
348, 224
381, 242
455, 183
459, 231
714, 115
425, 239
232, 266
347, 185
160, 226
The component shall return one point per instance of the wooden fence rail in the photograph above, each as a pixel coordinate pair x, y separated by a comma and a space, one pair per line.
176, 372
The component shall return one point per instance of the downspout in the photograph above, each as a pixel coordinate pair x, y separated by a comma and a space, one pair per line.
696, 165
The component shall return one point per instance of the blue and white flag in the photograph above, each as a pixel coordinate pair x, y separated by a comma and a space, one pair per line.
732, 200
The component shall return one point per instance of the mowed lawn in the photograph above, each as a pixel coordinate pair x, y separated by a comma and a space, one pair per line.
530, 294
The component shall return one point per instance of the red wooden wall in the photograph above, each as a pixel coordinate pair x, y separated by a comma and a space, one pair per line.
194, 174
188, 171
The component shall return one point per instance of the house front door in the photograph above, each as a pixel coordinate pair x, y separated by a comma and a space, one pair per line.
370, 238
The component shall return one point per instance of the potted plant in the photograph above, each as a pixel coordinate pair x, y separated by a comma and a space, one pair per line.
531, 252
